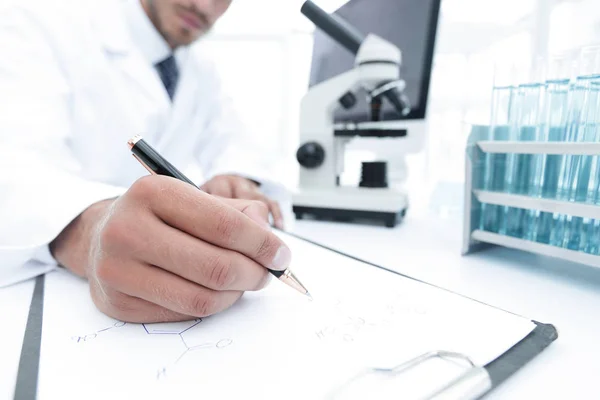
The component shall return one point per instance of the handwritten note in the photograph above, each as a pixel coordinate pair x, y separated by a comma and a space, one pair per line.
271, 344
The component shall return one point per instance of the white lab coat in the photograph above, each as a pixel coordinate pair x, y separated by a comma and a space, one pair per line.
73, 90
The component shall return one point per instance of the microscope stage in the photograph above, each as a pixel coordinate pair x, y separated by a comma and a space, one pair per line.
348, 204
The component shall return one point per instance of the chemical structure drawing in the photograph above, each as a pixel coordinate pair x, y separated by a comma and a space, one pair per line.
347, 324
346, 329
94, 335
174, 329
168, 328
179, 329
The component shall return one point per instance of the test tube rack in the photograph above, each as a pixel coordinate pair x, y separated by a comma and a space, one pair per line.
475, 239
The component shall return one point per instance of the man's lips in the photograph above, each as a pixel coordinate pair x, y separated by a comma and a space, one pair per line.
191, 20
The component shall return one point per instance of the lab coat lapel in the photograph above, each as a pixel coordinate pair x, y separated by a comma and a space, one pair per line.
185, 100
115, 38
180, 121
136, 69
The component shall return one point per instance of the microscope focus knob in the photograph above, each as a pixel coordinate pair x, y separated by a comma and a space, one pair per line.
311, 155
348, 100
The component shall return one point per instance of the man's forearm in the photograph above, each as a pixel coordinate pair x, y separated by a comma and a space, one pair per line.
71, 247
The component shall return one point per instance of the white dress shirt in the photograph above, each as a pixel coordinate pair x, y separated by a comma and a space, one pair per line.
146, 37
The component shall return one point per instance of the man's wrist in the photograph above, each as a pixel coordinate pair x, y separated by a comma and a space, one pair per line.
71, 247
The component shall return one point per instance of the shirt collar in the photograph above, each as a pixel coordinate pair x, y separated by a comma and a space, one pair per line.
143, 33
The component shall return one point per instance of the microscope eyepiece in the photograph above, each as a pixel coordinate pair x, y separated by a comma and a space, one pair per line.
336, 27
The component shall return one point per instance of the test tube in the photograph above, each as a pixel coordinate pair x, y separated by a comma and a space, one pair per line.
590, 232
503, 94
535, 124
582, 127
581, 236
519, 221
561, 69
590, 237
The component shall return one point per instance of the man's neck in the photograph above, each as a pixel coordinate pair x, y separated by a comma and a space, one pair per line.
150, 10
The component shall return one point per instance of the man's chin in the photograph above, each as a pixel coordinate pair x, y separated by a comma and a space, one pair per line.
188, 39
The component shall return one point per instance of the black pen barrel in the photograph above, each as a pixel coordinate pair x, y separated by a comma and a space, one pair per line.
153, 160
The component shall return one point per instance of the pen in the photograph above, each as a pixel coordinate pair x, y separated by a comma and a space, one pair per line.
157, 165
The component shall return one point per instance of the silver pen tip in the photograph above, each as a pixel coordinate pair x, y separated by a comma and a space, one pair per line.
290, 279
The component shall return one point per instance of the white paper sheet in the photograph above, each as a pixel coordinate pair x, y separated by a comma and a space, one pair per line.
272, 344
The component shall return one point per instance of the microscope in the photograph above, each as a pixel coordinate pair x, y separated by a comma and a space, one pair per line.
323, 142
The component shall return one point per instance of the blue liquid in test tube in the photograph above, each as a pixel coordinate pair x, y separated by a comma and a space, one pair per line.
503, 95
577, 170
508, 227
535, 173
590, 237
584, 166
559, 234
590, 240
554, 122
495, 162
521, 167
589, 232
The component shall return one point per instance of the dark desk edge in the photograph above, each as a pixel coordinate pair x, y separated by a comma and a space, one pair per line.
29, 363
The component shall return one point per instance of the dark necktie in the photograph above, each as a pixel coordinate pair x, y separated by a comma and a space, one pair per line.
169, 74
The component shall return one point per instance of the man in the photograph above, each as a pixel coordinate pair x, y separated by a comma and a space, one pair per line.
78, 78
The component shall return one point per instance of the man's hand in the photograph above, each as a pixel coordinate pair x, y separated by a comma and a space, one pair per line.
166, 251
237, 187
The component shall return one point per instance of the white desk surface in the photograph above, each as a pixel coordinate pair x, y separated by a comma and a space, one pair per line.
547, 290
551, 291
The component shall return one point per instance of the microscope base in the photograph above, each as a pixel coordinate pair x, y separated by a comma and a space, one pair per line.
352, 204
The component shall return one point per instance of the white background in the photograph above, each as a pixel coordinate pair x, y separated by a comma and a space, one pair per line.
263, 49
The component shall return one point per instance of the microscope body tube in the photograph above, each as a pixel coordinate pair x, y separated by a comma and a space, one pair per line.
338, 29
350, 38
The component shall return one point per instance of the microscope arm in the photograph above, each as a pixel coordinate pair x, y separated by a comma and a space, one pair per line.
324, 98
317, 125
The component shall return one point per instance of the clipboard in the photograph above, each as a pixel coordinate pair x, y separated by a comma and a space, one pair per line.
475, 381
472, 383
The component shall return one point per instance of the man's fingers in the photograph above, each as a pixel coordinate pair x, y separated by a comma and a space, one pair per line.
210, 219
219, 187
132, 309
242, 188
166, 289
245, 189
256, 210
272, 207
204, 263
276, 212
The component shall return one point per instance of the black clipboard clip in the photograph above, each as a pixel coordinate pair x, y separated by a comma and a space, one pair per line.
472, 384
